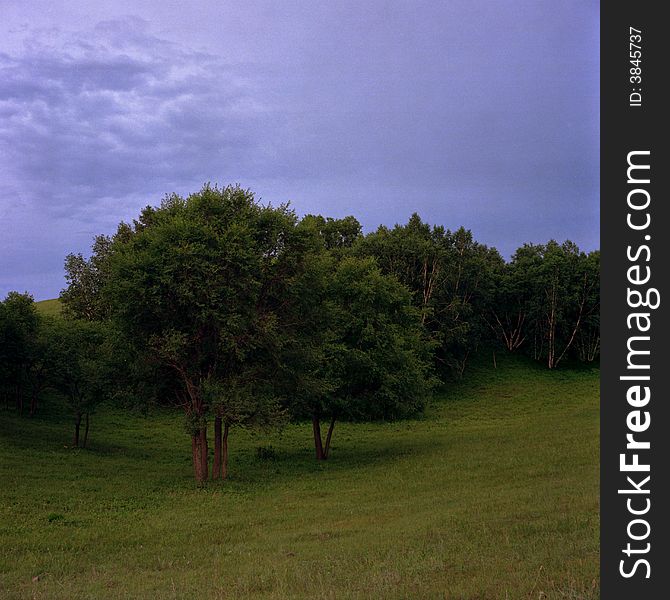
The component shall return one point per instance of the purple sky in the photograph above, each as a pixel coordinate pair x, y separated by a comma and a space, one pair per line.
476, 113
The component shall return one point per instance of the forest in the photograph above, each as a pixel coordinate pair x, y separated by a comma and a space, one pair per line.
245, 316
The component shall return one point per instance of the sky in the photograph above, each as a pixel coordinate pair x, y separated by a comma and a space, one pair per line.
475, 113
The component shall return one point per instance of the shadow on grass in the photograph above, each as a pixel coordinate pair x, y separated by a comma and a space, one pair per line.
372, 450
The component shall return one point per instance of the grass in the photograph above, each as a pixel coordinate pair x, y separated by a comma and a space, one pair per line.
493, 494
49, 307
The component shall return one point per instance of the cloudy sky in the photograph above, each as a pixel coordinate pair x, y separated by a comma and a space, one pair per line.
479, 113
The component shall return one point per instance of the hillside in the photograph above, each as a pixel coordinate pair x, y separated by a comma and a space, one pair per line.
494, 494
49, 307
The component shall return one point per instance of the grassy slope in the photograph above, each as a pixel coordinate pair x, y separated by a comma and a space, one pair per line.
493, 495
49, 307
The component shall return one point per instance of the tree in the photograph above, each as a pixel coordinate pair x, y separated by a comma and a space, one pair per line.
335, 235
588, 309
197, 283
451, 278
41, 363
510, 311
80, 369
18, 328
584, 301
81, 298
361, 353
564, 296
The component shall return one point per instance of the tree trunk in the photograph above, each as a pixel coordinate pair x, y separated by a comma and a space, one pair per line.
318, 446
329, 435
86, 431
216, 469
461, 364
199, 451
19, 398
224, 461
33, 403
203, 453
77, 424
195, 451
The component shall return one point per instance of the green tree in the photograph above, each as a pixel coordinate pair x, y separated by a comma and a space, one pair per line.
80, 369
451, 278
588, 336
335, 235
197, 283
19, 323
41, 363
509, 313
82, 298
563, 285
360, 353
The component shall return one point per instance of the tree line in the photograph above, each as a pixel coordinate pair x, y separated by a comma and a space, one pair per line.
245, 315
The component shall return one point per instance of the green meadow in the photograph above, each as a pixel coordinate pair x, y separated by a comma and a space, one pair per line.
492, 494
49, 307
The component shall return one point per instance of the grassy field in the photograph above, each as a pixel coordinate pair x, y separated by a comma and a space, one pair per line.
49, 307
493, 494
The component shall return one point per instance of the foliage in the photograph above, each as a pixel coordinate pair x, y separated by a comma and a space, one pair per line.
197, 284
376, 359
545, 301
336, 235
450, 276
40, 352
555, 290
81, 368
82, 297
355, 347
18, 330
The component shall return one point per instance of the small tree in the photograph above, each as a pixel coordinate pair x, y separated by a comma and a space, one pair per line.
588, 336
80, 369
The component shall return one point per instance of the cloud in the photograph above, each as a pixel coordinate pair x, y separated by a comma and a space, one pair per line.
101, 116
469, 115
